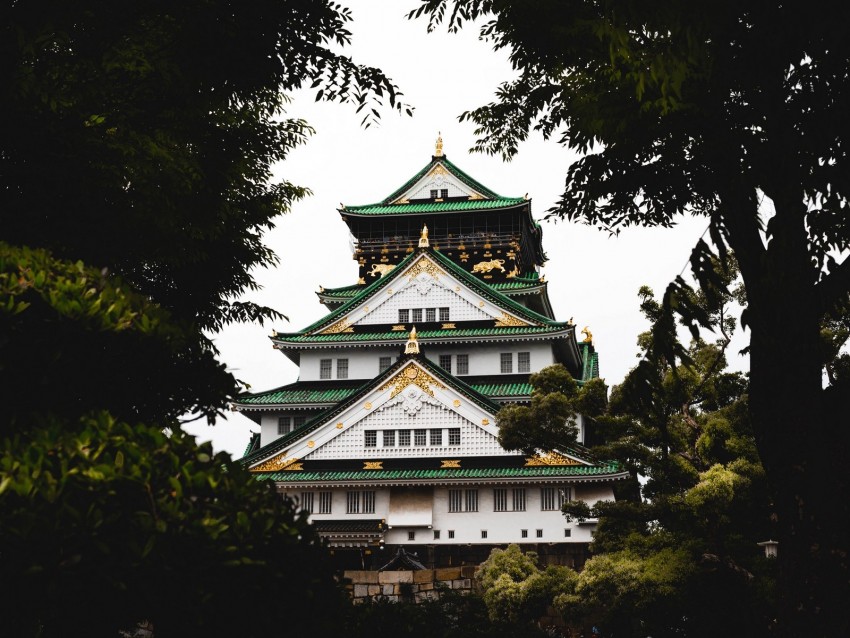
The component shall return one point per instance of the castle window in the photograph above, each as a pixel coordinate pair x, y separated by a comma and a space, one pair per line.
342, 368
523, 362
471, 500
360, 502
384, 363
419, 437
455, 500
416, 315
436, 534
389, 438
325, 368
298, 421
451, 533
463, 500
519, 499
506, 360
404, 438
568, 533
434, 193
370, 438
523, 533
454, 436
539, 533
462, 361
307, 502
446, 362
483, 533
436, 437
411, 536
325, 502
500, 500
403, 316
552, 499
430, 314
283, 425
444, 193
444, 314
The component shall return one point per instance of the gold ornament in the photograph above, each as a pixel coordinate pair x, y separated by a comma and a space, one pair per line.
373, 465
552, 458
454, 464
509, 320
412, 375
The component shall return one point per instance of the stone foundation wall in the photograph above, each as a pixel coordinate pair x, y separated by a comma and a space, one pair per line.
413, 586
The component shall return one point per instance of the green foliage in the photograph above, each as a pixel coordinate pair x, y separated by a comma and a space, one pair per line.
153, 527
548, 423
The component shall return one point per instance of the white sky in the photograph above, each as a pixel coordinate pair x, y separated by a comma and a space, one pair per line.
592, 277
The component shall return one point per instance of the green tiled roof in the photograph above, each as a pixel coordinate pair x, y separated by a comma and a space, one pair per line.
541, 471
590, 361
434, 207
518, 283
504, 389
297, 337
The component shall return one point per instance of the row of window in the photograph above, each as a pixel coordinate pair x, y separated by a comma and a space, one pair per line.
415, 315
461, 363
506, 362
326, 367
286, 424
551, 499
442, 192
363, 501
411, 535
402, 438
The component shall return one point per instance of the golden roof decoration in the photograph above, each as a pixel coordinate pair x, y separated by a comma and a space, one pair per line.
552, 458
412, 346
412, 375
438, 149
423, 238
588, 336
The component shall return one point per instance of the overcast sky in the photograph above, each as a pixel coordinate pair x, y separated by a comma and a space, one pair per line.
592, 277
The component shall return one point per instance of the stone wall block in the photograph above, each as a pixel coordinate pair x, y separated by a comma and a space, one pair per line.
362, 577
447, 573
423, 576
361, 591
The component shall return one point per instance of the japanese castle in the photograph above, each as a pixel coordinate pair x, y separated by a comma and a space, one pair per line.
389, 437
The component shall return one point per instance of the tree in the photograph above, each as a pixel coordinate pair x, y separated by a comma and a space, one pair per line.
135, 158
735, 113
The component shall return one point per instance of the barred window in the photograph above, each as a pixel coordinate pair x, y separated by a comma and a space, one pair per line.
342, 368
455, 500
500, 500
540, 533
369, 502
436, 437
389, 438
483, 533
568, 533
283, 426
436, 534
523, 362
519, 499
433, 193
325, 502
454, 436
403, 315
298, 421
446, 362
419, 437
444, 314
444, 193
384, 363
416, 315
360, 502
523, 533
411, 536
507, 362
565, 495
370, 438
547, 498
404, 438
325, 368
462, 363
471, 500
352, 502
307, 502
451, 533
430, 314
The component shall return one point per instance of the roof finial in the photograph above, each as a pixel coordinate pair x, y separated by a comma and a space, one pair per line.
423, 238
439, 150
587, 334
412, 346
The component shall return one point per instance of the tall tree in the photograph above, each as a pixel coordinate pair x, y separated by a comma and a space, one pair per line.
735, 112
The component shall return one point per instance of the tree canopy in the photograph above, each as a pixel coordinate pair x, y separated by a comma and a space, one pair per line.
735, 113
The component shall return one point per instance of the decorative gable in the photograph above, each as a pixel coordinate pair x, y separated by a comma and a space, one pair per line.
439, 183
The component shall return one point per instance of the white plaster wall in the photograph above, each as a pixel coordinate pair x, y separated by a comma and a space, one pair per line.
486, 359
362, 362
427, 293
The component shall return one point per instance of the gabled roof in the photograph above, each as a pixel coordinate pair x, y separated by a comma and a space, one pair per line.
513, 287
315, 423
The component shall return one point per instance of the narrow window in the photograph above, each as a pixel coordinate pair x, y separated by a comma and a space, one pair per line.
403, 316
433, 193
411, 536
307, 502
342, 368
283, 426
547, 498
430, 314
416, 315
325, 368
507, 362
389, 438
454, 436
483, 533
436, 534
471, 500
568, 533
451, 533
444, 193
565, 495
325, 502
462, 363
436, 437
523, 533
540, 533
352, 503
370, 438
369, 502
446, 362
298, 421
419, 437
500, 500
444, 314
384, 363
519, 499
404, 438
523, 362
455, 501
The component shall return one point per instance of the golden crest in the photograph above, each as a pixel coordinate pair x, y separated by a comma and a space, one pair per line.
485, 421
373, 465
424, 265
450, 464
278, 463
368, 405
411, 375
343, 325
552, 458
509, 320
339, 425
456, 403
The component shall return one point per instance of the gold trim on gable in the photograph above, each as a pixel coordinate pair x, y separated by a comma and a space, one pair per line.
343, 325
279, 463
411, 375
507, 320
427, 266
454, 464
373, 465
552, 458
